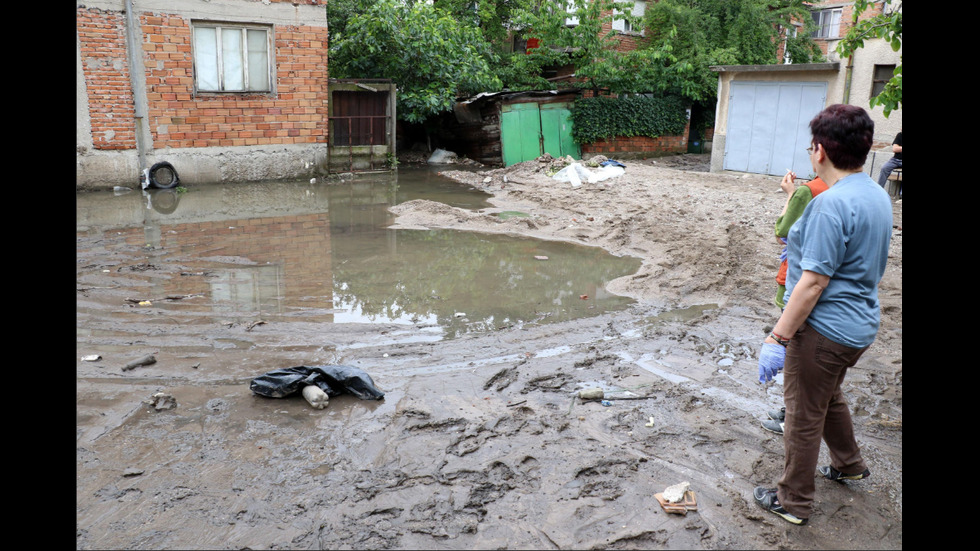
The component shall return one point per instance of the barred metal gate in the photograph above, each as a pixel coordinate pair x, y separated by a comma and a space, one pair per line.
361, 125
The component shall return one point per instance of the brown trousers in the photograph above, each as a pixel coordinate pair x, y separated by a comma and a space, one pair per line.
815, 408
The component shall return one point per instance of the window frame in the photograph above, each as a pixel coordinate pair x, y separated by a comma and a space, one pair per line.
832, 30
623, 26
879, 83
219, 28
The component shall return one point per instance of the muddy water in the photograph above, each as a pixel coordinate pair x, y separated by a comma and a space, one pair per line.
324, 252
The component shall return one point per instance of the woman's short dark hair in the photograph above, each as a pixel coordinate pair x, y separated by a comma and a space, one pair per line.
846, 133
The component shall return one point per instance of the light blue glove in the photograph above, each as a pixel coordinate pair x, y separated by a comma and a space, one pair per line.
771, 360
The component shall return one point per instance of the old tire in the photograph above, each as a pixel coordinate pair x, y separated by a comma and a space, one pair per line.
163, 175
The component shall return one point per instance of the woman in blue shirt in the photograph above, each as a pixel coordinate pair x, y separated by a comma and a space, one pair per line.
837, 253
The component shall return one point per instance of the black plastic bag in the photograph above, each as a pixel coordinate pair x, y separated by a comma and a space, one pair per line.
332, 379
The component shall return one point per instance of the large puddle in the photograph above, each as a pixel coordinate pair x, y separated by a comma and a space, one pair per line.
325, 252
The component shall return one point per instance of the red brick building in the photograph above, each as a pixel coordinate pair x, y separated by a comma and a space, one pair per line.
228, 90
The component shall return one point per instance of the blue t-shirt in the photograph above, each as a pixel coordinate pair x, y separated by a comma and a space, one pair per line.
844, 233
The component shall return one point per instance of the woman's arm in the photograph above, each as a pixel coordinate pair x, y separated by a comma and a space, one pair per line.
804, 297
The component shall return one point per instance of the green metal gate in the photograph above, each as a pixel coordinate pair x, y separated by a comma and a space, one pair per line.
527, 130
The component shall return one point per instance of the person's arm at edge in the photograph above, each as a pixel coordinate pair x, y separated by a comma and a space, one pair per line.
792, 210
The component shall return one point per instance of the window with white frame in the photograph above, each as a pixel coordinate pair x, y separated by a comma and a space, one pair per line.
232, 58
623, 26
827, 22
570, 8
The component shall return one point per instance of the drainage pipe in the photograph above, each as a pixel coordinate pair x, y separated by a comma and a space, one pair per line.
849, 70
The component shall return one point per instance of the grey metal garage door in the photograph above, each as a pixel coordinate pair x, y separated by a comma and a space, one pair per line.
768, 130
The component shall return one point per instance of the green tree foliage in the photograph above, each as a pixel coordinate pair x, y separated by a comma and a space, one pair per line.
430, 56
693, 35
583, 44
494, 18
498, 21
887, 26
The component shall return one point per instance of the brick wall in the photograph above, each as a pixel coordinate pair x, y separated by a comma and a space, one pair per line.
827, 45
103, 48
638, 146
623, 42
177, 118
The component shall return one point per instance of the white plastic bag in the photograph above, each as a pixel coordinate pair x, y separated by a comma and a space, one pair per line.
607, 172
574, 173
442, 157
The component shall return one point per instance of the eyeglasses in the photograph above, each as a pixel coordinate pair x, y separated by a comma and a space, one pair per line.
809, 150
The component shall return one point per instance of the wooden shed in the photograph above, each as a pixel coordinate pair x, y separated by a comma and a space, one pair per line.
504, 128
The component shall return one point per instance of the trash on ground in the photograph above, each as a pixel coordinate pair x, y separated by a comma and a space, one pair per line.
612, 162
442, 157
573, 173
591, 394
675, 493
331, 379
91, 358
576, 174
678, 499
145, 360
606, 403
162, 401
650, 424
316, 397
689, 503
540, 257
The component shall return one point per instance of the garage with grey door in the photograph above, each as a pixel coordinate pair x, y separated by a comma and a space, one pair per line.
768, 126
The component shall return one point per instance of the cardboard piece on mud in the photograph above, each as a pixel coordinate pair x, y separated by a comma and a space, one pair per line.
688, 503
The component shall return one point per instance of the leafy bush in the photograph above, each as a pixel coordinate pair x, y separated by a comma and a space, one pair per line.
603, 117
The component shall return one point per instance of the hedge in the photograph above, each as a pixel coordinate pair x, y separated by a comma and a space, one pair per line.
604, 117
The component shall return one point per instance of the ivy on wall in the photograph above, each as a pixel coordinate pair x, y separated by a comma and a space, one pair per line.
603, 117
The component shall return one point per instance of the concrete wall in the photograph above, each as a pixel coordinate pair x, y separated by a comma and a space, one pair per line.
137, 105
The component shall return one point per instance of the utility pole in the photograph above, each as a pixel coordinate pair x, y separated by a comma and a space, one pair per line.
137, 79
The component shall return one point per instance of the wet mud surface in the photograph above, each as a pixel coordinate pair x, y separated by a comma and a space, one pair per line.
481, 441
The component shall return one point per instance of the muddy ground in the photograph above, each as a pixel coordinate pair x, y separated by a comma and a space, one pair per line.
480, 441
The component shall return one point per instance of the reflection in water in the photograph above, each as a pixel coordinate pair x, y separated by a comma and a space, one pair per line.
468, 281
324, 252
